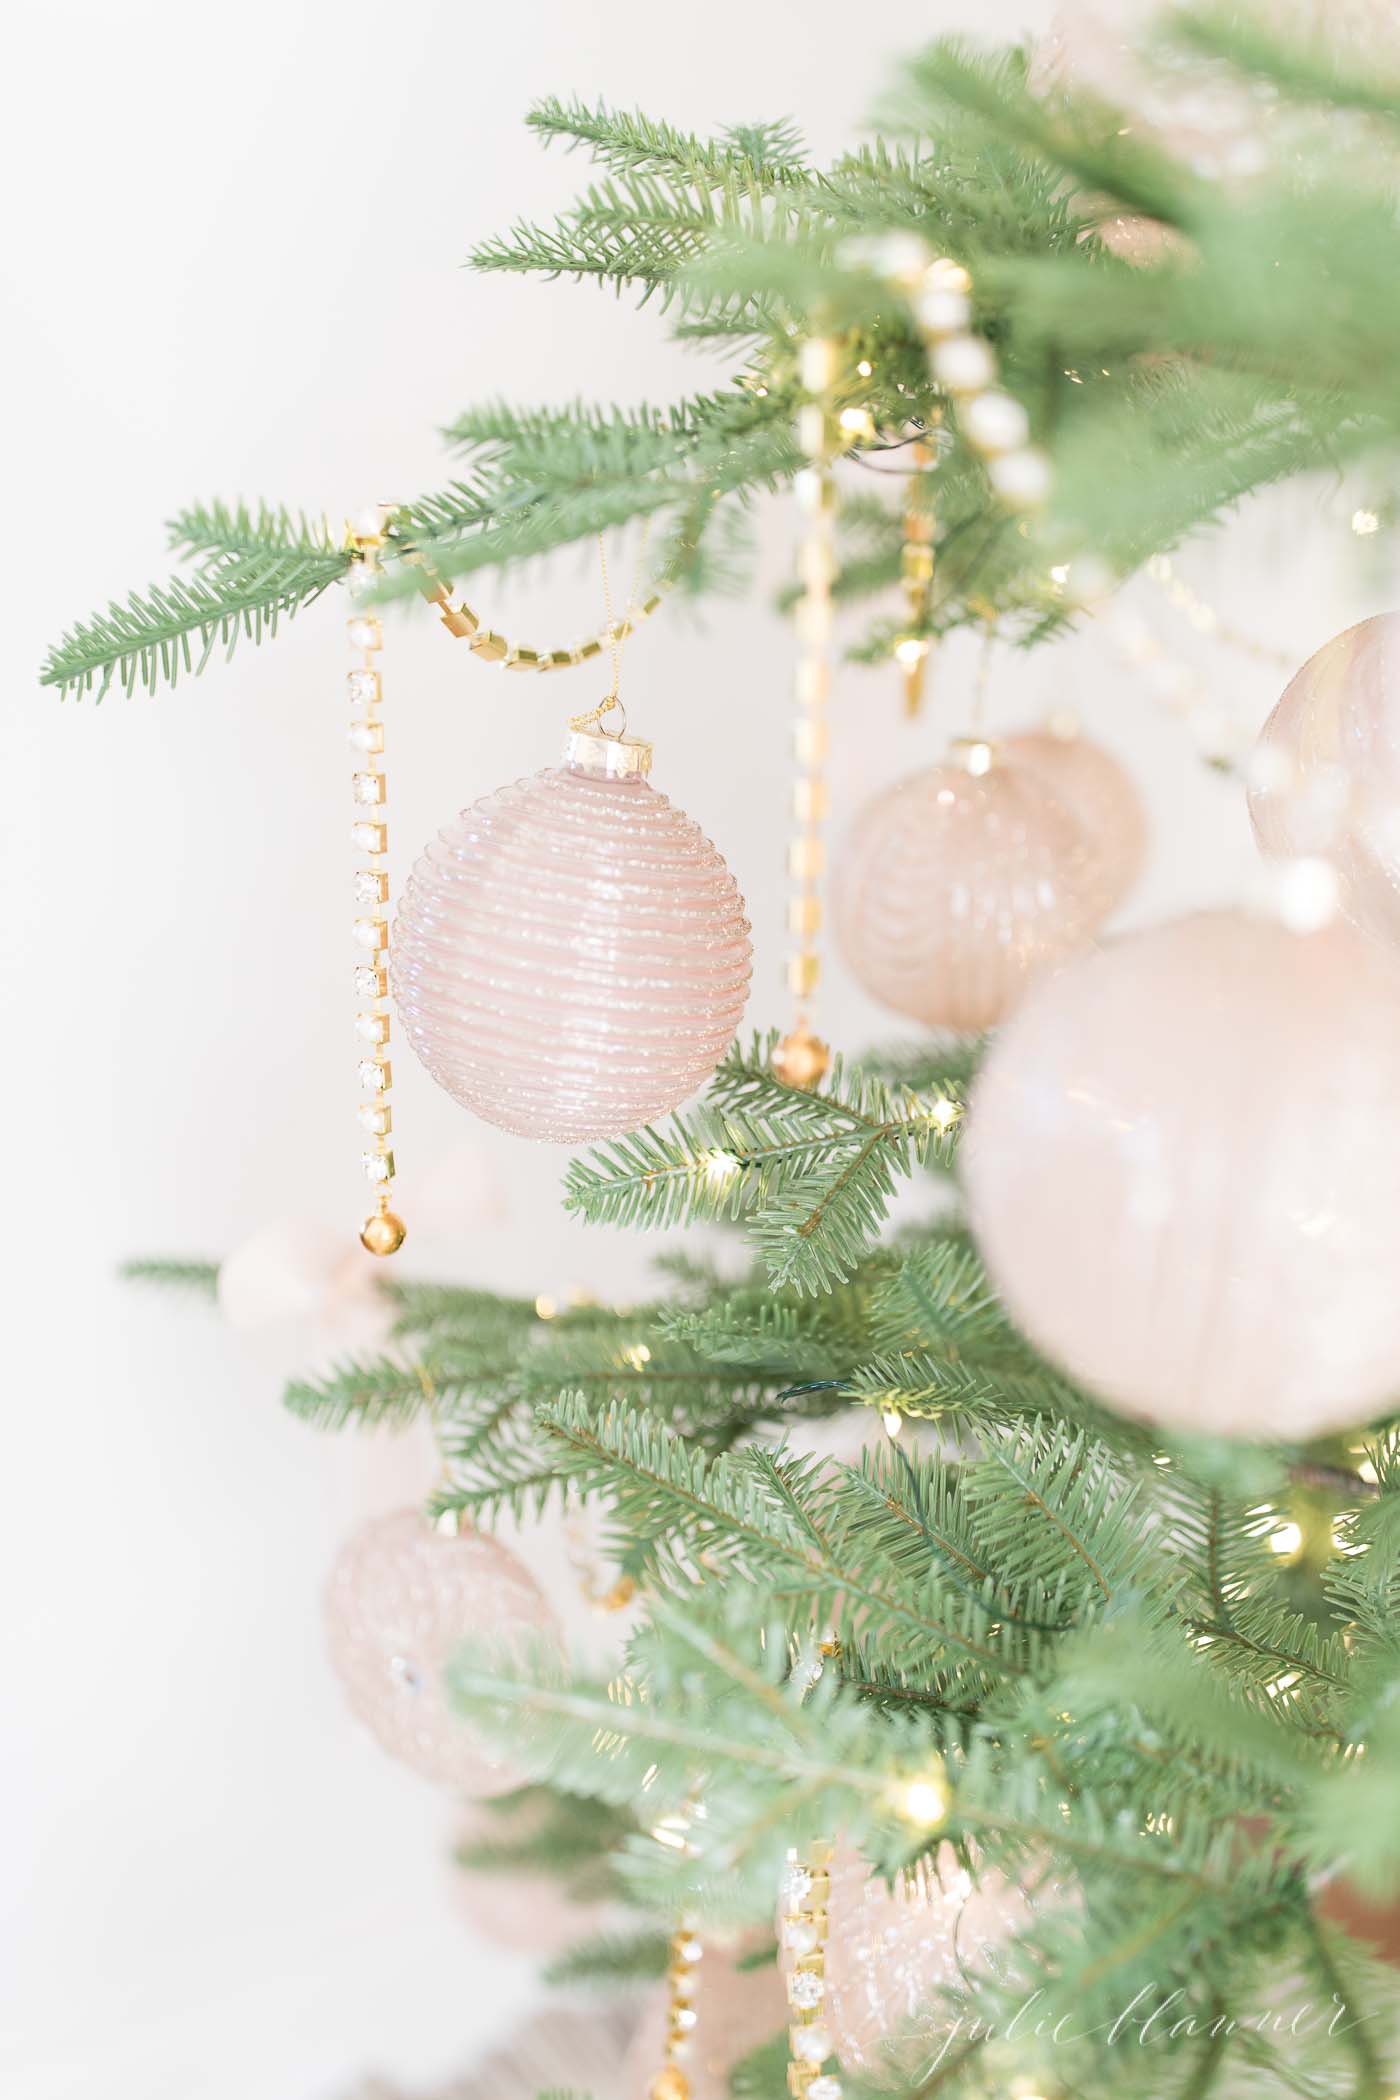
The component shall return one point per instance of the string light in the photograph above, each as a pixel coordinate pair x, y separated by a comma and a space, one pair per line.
924, 1801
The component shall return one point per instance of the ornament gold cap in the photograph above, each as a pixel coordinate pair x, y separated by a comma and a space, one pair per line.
607, 757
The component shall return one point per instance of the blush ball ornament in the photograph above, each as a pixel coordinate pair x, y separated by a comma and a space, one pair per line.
571, 957
889, 1948
1089, 782
955, 886
1325, 776
401, 1599
1181, 1160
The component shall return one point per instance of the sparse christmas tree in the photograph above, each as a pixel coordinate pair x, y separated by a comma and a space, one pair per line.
1112, 1698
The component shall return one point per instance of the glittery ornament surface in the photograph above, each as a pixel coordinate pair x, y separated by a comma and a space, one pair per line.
1089, 782
736, 2010
953, 888
402, 1598
889, 1950
571, 956
1181, 1161
1325, 778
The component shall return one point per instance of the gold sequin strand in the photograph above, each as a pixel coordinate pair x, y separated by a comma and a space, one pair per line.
383, 1231
806, 1889
489, 647
671, 2082
801, 1058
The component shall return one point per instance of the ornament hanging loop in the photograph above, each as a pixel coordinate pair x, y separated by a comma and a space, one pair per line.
597, 716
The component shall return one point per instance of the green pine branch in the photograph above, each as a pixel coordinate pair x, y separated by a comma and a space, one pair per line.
812, 1174
175, 627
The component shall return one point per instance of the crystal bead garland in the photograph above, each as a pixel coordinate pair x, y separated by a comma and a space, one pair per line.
806, 1887
571, 957
383, 1231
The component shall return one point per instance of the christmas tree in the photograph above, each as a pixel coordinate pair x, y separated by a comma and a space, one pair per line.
1049, 1726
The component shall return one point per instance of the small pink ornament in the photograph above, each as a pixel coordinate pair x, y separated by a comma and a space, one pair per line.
1099, 793
736, 2010
402, 1598
310, 1280
571, 956
890, 1949
524, 1913
1181, 1164
1325, 778
955, 886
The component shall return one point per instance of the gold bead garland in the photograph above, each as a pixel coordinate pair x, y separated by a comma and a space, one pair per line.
671, 2082
801, 1059
913, 648
806, 1889
383, 1232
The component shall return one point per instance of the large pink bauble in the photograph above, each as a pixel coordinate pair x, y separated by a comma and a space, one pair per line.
1326, 774
889, 1949
953, 887
402, 1598
736, 2011
1089, 782
1181, 1164
571, 957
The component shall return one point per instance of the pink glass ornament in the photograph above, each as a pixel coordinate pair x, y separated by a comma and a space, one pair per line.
954, 886
736, 2010
571, 956
402, 1598
1181, 1164
1325, 778
312, 1284
1218, 122
890, 1949
1089, 782
525, 1913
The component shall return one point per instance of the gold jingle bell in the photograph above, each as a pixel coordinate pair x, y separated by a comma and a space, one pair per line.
802, 1059
383, 1233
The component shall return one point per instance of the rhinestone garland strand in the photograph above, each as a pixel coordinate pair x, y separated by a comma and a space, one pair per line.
671, 2082
806, 1887
801, 1059
383, 1231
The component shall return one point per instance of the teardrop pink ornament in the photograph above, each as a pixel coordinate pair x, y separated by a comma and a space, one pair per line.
1090, 783
402, 1598
955, 886
571, 957
1325, 778
1181, 1162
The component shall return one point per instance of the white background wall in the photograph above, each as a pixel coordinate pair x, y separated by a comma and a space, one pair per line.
234, 254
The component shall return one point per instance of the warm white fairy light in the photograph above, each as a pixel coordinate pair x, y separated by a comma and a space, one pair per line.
1286, 1541
924, 1801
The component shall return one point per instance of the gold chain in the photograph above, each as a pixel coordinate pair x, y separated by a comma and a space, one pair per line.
383, 1231
801, 1059
617, 634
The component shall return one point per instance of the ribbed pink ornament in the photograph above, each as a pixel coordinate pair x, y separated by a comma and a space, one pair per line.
952, 888
1325, 778
889, 1950
1089, 782
1181, 1162
402, 1598
571, 957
